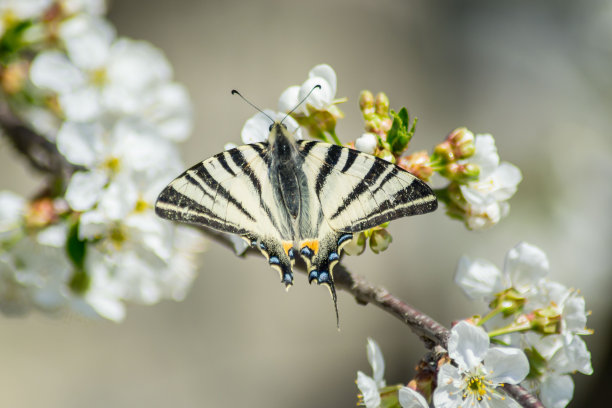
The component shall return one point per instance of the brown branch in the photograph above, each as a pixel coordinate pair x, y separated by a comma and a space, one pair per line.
429, 331
37, 149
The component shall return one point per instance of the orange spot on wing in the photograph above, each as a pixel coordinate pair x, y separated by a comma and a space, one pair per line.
287, 246
313, 244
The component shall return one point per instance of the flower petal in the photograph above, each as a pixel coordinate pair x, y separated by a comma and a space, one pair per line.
320, 98
369, 390
409, 398
289, 99
87, 39
367, 143
467, 345
81, 105
376, 360
506, 365
525, 265
448, 393
52, 70
556, 391
85, 189
81, 143
327, 73
479, 279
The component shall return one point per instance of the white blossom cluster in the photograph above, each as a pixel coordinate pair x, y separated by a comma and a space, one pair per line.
554, 354
113, 109
540, 322
472, 381
485, 201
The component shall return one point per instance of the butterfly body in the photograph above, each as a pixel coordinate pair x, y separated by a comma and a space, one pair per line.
288, 197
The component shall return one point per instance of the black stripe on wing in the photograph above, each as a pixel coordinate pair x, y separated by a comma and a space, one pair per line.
219, 189
175, 206
376, 170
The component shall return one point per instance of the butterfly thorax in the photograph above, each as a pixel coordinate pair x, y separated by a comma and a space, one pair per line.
285, 169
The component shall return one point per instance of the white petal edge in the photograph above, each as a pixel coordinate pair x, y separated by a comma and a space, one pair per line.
369, 390
506, 365
377, 362
479, 279
525, 265
467, 345
409, 398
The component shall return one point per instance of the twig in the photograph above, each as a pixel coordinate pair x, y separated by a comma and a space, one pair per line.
37, 149
429, 331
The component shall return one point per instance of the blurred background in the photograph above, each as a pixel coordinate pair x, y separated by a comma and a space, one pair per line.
537, 75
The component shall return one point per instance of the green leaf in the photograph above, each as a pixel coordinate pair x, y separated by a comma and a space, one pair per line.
399, 136
76, 249
12, 40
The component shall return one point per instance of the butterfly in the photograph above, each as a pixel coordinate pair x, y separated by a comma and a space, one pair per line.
287, 197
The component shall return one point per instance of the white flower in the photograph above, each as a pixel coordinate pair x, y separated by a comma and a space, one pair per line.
123, 161
12, 11
485, 199
34, 273
565, 352
140, 259
320, 99
370, 386
12, 208
409, 398
101, 75
257, 128
367, 143
524, 268
96, 7
479, 371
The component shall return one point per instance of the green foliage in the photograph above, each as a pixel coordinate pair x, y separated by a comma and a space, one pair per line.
401, 132
12, 42
76, 249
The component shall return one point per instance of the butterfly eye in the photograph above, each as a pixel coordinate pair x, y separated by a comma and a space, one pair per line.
270, 128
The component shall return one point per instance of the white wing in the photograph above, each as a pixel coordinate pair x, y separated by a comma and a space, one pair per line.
230, 192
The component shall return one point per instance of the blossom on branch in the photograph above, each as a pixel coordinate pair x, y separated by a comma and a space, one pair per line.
479, 371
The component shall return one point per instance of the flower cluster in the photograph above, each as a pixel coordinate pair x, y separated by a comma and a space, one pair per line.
536, 324
114, 112
544, 318
471, 380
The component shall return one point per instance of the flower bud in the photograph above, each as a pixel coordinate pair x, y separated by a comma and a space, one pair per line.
444, 150
382, 104
462, 144
417, 163
462, 173
40, 213
546, 321
13, 77
356, 246
380, 240
367, 143
366, 103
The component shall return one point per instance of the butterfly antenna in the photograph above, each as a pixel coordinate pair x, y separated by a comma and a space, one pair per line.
235, 92
301, 102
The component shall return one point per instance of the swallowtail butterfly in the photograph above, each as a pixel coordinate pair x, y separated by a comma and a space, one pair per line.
289, 197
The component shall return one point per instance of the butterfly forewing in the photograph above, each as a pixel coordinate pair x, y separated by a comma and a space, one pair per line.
358, 191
